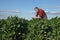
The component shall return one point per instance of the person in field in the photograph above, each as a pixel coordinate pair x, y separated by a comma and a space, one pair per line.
40, 13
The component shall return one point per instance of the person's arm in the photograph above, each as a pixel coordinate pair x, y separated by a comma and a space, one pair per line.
37, 16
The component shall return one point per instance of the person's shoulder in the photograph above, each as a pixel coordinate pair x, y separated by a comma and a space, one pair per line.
41, 10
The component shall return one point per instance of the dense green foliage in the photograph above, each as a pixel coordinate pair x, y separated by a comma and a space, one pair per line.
14, 28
